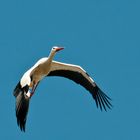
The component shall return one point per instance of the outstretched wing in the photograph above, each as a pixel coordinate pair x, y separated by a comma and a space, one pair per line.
79, 75
22, 105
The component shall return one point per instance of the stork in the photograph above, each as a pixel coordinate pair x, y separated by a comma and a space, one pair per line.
47, 67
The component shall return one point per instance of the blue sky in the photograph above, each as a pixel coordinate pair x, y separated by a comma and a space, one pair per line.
102, 37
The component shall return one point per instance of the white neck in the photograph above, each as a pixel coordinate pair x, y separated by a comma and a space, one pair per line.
51, 55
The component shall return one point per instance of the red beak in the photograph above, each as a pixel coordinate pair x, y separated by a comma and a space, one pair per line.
59, 48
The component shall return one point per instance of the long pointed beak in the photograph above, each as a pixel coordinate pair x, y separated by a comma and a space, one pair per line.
59, 48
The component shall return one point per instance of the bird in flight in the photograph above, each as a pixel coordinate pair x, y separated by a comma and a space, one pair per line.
46, 67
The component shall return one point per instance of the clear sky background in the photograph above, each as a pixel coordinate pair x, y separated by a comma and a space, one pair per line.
101, 36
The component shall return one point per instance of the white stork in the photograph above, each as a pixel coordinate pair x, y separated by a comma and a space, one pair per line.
48, 67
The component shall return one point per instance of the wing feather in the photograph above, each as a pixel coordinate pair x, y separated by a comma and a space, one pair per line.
22, 105
80, 76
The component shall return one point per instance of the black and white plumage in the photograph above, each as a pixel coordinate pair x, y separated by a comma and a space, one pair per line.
48, 67
22, 104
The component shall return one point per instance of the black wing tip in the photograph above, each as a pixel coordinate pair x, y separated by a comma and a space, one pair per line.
22, 128
102, 100
21, 124
22, 105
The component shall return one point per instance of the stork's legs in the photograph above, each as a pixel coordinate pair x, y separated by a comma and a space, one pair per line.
33, 89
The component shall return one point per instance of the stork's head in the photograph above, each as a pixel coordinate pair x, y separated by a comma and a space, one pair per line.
56, 49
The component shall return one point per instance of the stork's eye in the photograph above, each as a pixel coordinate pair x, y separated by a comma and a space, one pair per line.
54, 48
